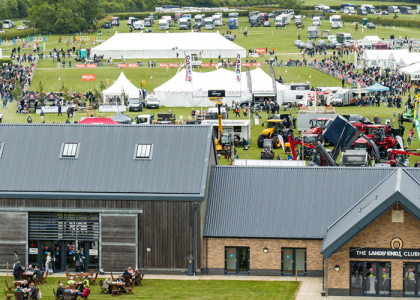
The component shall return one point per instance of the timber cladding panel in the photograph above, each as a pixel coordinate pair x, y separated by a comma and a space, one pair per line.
118, 229
117, 258
6, 255
13, 227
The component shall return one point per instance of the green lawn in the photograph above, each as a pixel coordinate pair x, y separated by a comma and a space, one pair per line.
188, 289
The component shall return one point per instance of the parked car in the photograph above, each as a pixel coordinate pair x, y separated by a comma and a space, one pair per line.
229, 37
309, 46
22, 27
321, 44
267, 24
385, 12
300, 44
370, 25
329, 11
335, 25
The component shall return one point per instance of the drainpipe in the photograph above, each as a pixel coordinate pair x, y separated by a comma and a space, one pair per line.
195, 235
326, 281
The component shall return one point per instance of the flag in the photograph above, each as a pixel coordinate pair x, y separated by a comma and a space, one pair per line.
356, 45
198, 92
188, 67
238, 67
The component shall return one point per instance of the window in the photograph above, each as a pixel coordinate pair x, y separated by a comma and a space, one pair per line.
143, 150
70, 150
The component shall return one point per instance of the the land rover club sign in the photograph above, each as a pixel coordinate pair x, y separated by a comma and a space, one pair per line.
384, 253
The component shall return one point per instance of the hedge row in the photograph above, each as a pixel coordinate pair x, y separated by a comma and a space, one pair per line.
101, 23
378, 20
19, 33
6, 61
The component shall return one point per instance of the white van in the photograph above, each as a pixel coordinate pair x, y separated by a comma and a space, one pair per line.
208, 23
7, 24
152, 102
139, 25
163, 24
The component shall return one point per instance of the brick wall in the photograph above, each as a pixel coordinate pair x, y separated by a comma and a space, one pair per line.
262, 263
377, 235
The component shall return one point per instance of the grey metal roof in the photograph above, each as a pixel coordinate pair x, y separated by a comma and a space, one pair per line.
270, 202
399, 187
30, 163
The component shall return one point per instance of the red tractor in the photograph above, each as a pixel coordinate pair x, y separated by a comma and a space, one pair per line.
399, 158
317, 128
382, 135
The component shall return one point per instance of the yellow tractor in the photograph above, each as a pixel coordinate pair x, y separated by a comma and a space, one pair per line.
275, 129
223, 138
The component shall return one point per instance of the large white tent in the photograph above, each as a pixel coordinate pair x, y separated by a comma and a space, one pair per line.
178, 92
167, 45
369, 40
409, 59
413, 71
380, 58
122, 85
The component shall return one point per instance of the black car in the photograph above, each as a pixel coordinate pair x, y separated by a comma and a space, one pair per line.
229, 37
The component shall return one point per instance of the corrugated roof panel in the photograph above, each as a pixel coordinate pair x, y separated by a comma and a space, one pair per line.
283, 202
105, 163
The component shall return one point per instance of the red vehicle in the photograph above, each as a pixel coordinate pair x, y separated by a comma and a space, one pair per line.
317, 129
398, 158
178, 16
382, 136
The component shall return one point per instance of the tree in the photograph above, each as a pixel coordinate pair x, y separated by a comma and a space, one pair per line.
12, 6
290, 4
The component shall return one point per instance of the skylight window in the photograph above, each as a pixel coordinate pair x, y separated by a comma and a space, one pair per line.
143, 150
70, 150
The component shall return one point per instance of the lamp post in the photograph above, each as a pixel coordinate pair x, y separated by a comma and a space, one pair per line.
148, 249
246, 147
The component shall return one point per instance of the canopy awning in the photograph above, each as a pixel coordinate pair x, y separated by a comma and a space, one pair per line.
377, 88
31, 96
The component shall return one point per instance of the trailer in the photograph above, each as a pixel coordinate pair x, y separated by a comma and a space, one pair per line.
184, 24
280, 21
208, 23
313, 32
233, 23
199, 20
406, 10
370, 9
139, 25
346, 97
321, 7
217, 19
344, 5
335, 19
361, 11
163, 24
393, 9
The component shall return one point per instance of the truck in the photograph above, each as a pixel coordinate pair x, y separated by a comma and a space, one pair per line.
148, 22
321, 7
233, 23
169, 19
349, 10
115, 21
313, 32
199, 20
370, 9
298, 19
139, 25
280, 21
361, 11
393, 9
406, 10
345, 97
164, 24
184, 24
335, 19
217, 19
129, 21
208, 23
177, 16
344, 5
316, 21
344, 38
254, 21
263, 17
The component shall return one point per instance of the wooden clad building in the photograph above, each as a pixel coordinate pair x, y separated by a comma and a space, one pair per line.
100, 196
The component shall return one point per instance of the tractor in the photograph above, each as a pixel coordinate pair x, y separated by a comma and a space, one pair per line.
275, 131
317, 128
382, 135
267, 152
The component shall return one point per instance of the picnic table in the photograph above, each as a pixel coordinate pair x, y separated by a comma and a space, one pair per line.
17, 282
27, 276
83, 275
118, 286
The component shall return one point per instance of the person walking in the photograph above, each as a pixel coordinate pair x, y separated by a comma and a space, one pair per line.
237, 111
15, 258
42, 115
17, 271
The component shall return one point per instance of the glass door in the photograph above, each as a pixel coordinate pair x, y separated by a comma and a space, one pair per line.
377, 278
371, 278
236, 260
411, 279
384, 279
231, 260
356, 278
293, 261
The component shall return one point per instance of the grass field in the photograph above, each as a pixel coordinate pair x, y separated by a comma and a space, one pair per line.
187, 289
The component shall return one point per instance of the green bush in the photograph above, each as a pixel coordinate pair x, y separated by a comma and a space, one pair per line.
101, 23
6, 61
18, 33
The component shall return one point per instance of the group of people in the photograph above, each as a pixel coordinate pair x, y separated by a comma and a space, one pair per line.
28, 291
11, 77
82, 290
134, 275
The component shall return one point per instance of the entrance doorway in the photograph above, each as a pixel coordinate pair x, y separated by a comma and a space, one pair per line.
237, 260
370, 278
293, 261
411, 279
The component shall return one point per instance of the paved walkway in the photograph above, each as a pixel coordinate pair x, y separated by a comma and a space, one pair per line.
310, 288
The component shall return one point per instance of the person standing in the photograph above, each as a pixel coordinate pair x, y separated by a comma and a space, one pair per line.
15, 258
17, 271
48, 263
42, 115
394, 115
59, 109
1, 117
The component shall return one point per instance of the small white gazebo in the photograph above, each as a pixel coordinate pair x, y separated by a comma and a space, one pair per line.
122, 86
